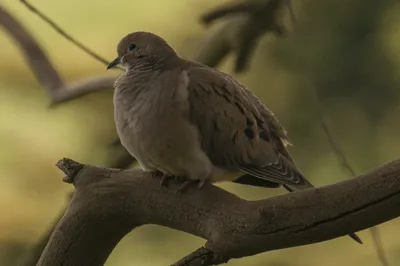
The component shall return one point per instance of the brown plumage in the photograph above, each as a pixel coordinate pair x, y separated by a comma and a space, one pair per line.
185, 119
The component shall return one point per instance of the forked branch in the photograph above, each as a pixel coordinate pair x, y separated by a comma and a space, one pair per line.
108, 203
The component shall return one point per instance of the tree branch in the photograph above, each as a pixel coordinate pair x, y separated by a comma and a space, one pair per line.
31, 257
83, 87
33, 53
108, 203
63, 33
44, 70
245, 23
242, 6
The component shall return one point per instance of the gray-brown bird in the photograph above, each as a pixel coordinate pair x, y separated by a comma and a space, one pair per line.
184, 119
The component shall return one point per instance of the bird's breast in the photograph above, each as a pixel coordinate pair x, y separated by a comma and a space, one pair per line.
153, 126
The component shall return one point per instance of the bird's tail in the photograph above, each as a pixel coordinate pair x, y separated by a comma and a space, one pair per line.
307, 184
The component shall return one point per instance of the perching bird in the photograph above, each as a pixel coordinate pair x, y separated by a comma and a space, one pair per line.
185, 119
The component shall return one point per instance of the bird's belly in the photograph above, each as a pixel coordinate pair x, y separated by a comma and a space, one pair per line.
172, 148
143, 143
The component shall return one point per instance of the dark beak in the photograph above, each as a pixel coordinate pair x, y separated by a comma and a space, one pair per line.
114, 63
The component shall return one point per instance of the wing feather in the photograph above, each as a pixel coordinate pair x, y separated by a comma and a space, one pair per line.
237, 130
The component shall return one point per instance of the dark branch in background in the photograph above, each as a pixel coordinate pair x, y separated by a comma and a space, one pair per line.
376, 236
44, 70
64, 33
33, 53
245, 22
109, 203
33, 255
83, 87
336, 147
56, 89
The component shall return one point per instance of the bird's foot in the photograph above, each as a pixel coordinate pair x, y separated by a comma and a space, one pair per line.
187, 183
156, 174
164, 178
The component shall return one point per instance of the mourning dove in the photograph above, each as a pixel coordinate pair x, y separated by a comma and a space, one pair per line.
185, 119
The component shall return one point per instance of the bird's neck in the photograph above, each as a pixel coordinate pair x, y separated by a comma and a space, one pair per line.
148, 70
135, 76
155, 63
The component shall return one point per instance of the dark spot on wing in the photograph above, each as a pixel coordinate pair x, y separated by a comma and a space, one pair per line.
226, 91
249, 122
249, 133
264, 135
234, 138
226, 98
239, 107
215, 125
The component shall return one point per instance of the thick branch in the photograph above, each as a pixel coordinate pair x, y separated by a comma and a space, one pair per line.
31, 257
108, 203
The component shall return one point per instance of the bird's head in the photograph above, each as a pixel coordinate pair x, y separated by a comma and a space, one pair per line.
141, 48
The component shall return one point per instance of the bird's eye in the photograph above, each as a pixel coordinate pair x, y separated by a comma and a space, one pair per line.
131, 46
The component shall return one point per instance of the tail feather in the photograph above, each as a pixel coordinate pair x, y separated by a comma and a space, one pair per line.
284, 172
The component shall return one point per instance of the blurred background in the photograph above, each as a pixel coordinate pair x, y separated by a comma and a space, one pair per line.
350, 49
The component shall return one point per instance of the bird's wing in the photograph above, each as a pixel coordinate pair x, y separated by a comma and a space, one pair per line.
237, 131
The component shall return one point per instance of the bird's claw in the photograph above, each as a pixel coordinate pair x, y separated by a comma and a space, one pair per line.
156, 174
165, 180
188, 183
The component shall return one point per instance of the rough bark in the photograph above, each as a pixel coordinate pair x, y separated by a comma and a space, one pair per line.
109, 203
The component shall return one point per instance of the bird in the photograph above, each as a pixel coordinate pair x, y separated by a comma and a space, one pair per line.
180, 118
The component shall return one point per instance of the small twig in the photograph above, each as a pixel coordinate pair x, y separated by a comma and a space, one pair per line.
83, 87
44, 70
338, 151
37, 59
376, 237
64, 33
